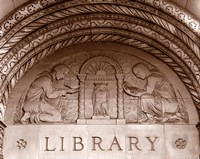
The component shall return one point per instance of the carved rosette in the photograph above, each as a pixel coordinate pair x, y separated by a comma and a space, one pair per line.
120, 96
81, 96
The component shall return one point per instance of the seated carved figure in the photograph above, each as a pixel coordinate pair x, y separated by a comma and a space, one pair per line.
40, 101
100, 99
158, 100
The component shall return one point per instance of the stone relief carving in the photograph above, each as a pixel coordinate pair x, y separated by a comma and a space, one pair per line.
21, 144
180, 143
100, 100
102, 87
17, 46
157, 99
14, 31
100, 82
43, 102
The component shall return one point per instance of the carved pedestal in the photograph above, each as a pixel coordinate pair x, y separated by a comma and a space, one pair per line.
101, 121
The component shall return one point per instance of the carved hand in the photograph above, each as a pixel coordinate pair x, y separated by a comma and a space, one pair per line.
72, 90
124, 86
129, 89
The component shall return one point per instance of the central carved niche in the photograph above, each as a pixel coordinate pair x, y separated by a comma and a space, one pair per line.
100, 88
114, 87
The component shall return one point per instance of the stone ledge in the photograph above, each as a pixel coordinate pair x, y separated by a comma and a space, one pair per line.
101, 121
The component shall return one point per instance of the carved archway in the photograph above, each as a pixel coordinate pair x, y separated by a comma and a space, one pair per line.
106, 65
40, 28
158, 27
101, 59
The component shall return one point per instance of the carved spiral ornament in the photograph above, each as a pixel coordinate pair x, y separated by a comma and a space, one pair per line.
157, 27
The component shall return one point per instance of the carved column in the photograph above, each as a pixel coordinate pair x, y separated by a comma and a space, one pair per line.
2, 127
81, 110
120, 102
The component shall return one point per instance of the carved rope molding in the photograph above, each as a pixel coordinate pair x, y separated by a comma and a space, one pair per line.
20, 45
13, 37
40, 55
176, 12
25, 46
47, 48
2, 128
13, 41
32, 7
21, 33
70, 25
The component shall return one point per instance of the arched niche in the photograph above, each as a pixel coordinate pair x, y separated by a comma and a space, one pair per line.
99, 71
78, 58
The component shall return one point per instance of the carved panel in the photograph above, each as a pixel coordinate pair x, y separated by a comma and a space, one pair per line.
101, 75
156, 98
101, 86
26, 23
52, 97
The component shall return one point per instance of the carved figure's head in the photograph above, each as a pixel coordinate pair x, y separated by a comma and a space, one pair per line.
60, 71
141, 71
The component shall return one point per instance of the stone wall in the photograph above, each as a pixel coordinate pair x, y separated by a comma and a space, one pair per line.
101, 141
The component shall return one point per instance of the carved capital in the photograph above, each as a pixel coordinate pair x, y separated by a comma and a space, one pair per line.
82, 77
120, 76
